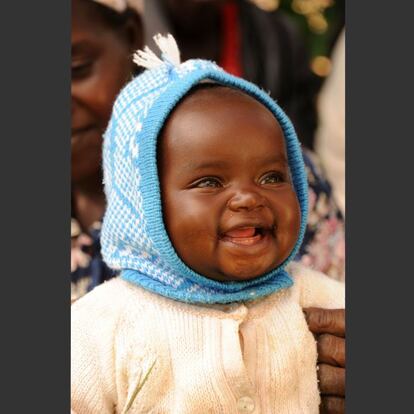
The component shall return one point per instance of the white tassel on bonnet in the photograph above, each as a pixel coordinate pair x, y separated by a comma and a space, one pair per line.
170, 53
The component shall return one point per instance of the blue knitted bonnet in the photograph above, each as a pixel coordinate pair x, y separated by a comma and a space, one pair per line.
134, 239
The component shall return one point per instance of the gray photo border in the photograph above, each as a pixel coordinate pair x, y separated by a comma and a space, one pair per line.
35, 206
379, 285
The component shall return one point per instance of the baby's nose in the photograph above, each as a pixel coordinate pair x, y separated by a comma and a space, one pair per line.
246, 200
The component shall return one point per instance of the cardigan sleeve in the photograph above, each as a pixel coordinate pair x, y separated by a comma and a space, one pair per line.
93, 385
316, 289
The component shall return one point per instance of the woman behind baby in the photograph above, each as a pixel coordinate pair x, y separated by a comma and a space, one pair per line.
207, 205
105, 34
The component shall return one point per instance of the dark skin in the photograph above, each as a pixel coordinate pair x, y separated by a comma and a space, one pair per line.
198, 205
328, 326
229, 205
101, 65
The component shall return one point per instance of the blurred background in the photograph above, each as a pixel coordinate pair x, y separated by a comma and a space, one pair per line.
320, 22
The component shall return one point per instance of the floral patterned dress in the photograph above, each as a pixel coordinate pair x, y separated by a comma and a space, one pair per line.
87, 267
323, 247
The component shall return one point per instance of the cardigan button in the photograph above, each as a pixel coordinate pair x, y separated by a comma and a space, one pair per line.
245, 405
237, 312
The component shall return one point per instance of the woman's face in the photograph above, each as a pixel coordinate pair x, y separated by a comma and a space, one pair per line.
101, 65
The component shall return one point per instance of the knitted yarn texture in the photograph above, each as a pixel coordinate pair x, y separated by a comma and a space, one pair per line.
134, 239
188, 359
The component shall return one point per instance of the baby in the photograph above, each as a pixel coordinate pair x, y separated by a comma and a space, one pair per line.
207, 205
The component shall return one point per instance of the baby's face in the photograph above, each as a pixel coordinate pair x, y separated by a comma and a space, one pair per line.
229, 207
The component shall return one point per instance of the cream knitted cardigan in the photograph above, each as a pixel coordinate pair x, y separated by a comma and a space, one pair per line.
254, 357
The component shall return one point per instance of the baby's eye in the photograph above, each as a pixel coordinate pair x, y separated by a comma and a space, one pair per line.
208, 182
273, 178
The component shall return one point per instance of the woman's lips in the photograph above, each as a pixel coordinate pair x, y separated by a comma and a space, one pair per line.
79, 132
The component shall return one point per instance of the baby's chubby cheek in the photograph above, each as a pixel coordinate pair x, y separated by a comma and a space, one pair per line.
192, 242
287, 220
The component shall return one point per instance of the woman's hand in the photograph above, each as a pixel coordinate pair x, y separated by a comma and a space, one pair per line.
328, 326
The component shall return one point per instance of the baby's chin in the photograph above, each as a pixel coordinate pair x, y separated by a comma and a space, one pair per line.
243, 272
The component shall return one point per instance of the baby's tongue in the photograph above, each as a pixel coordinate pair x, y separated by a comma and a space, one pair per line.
246, 232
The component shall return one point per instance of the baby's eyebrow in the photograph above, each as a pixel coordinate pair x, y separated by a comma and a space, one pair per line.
205, 165
271, 159
221, 164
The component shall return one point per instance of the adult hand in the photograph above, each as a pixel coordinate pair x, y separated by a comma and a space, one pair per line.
328, 326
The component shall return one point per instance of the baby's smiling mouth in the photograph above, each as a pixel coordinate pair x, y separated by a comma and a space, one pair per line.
246, 236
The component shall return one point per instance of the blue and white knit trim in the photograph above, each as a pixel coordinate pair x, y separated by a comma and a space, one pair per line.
134, 239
